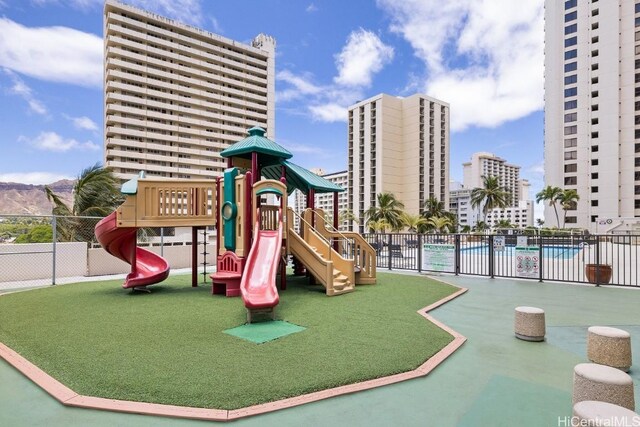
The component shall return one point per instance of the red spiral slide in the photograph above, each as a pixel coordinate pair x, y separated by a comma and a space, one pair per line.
147, 268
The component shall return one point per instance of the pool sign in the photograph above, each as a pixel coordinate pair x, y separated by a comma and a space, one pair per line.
527, 261
523, 241
498, 244
439, 257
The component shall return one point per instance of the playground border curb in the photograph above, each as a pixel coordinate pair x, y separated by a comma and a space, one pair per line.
68, 397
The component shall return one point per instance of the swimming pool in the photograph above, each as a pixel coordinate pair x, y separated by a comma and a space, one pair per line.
558, 252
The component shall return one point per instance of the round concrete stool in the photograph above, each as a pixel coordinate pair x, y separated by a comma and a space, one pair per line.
593, 413
609, 346
529, 323
602, 383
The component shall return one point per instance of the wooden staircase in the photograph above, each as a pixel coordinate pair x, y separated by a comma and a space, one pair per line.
326, 265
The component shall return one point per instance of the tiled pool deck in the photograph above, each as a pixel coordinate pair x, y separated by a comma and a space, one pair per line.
493, 379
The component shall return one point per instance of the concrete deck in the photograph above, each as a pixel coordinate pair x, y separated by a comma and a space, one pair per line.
493, 379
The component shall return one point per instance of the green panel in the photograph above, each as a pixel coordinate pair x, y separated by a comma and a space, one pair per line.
264, 331
256, 142
229, 208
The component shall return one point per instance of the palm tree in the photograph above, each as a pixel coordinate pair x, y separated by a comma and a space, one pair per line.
465, 229
347, 215
490, 196
387, 208
481, 226
96, 193
380, 225
551, 195
440, 223
432, 207
568, 200
539, 222
413, 222
504, 223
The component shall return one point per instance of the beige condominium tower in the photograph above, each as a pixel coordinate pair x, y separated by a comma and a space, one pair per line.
592, 107
175, 95
400, 146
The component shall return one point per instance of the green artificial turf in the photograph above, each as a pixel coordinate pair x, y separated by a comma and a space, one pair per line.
169, 346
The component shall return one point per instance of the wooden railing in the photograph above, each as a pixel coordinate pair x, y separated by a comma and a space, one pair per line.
161, 203
269, 217
362, 252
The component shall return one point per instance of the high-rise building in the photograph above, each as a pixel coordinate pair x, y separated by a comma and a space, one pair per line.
488, 164
175, 95
592, 107
400, 146
519, 212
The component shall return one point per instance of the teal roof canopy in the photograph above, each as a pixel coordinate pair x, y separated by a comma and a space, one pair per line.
301, 179
256, 142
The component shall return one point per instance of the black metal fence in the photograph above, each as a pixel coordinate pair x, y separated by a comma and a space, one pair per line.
599, 259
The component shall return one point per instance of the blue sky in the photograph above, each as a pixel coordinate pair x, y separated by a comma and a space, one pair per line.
483, 57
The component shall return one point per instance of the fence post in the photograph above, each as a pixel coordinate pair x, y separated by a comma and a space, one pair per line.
597, 261
457, 255
540, 263
491, 256
419, 253
389, 250
54, 227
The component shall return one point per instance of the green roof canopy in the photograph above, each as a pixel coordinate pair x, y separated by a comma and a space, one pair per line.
256, 142
301, 179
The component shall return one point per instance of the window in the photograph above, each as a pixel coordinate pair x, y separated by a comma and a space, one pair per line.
570, 3
571, 117
594, 134
571, 142
572, 91
571, 79
637, 22
637, 105
594, 26
571, 167
594, 203
570, 29
637, 162
594, 80
594, 175
636, 176
637, 133
594, 94
572, 66
637, 50
595, 39
594, 162
595, 12
594, 53
594, 121
594, 189
571, 220
572, 16
637, 91
637, 190
570, 130
636, 204
637, 120
594, 148
637, 63
570, 180
568, 105
570, 54
594, 67
571, 155
637, 148
637, 7
571, 41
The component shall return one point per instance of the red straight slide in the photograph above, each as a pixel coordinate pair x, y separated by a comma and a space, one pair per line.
258, 285
147, 268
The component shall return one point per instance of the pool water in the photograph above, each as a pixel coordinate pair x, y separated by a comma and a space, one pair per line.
559, 252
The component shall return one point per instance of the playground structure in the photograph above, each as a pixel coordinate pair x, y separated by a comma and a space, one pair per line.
255, 228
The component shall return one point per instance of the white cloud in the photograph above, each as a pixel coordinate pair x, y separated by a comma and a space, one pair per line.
51, 141
493, 71
34, 178
21, 89
363, 56
215, 25
311, 8
537, 169
58, 54
330, 112
300, 86
83, 123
